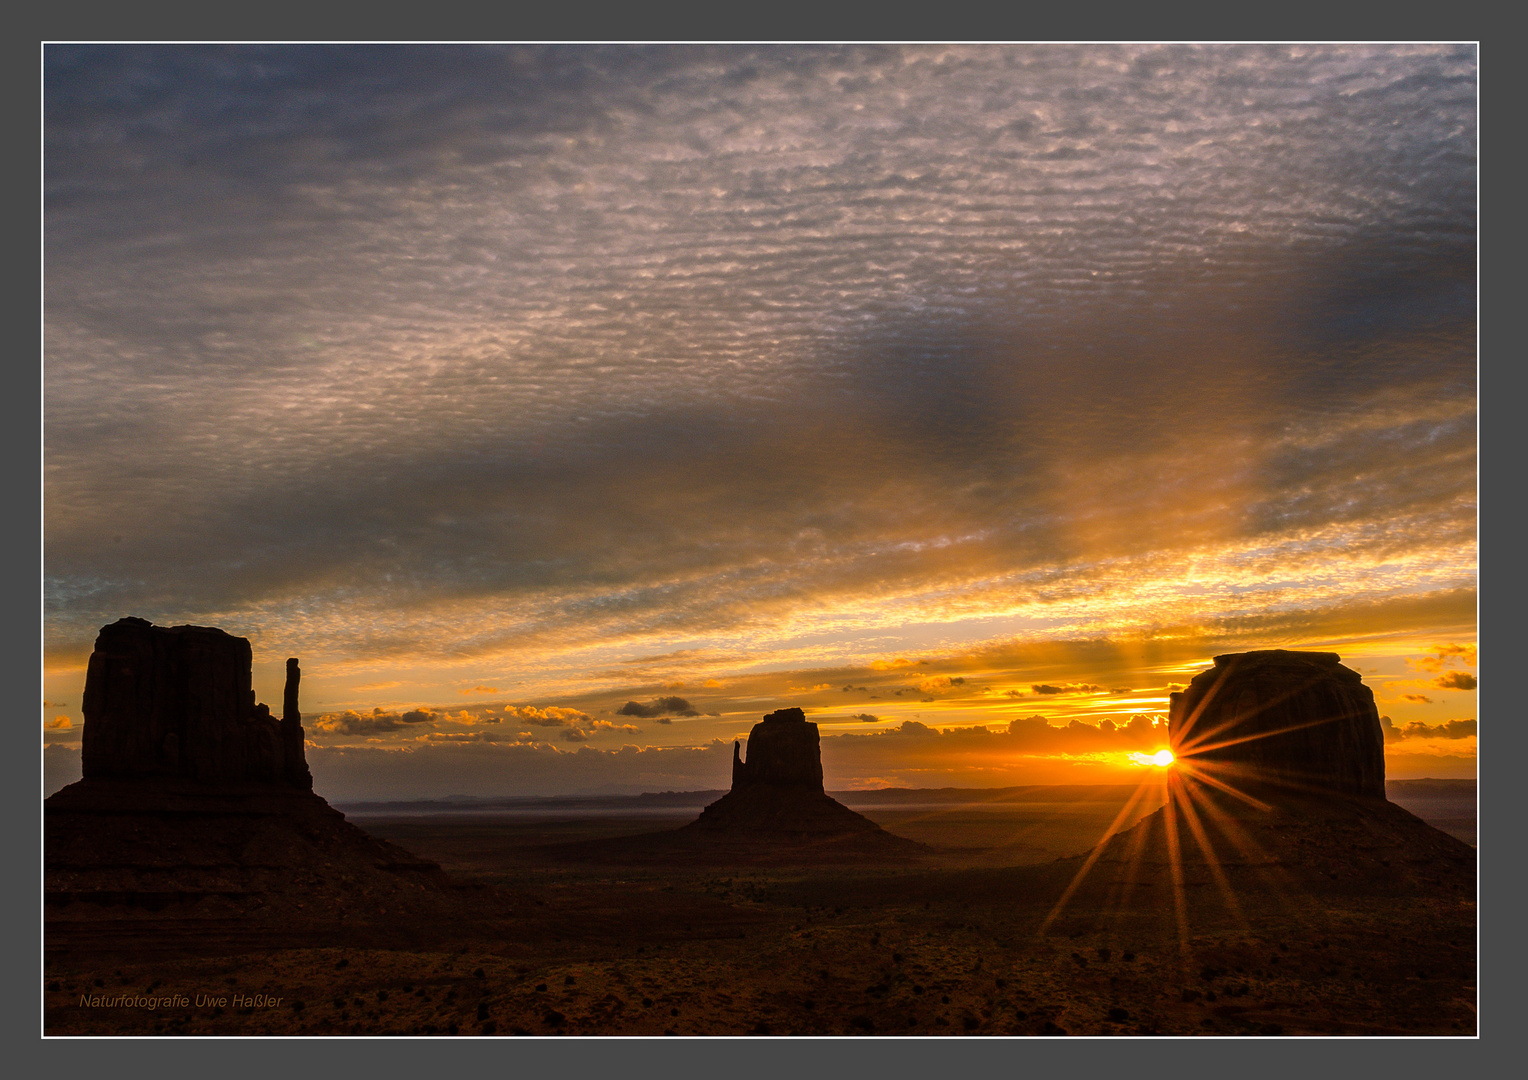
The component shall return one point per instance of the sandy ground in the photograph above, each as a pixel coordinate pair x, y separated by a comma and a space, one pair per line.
560, 949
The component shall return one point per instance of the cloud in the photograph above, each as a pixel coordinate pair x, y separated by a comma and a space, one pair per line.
58, 723
804, 347
351, 722
1456, 680
1141, 731
938, 683
1416, 729
482, 690
1067, 688
686, 655
993, 754
551, 716
910, 754
1422, 699
61, 765
663, 706
441, 768
1443, 656
1034, 734
474, 737
867, 717
607, 725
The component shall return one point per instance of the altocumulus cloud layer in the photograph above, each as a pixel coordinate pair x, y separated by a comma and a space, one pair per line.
542, 357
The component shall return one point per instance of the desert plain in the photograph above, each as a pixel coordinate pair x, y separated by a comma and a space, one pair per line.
560, 920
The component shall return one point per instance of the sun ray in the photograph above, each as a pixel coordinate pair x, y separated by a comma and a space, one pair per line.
1224, 680
1225, 821
1204, 703
1277, 883
1201, 748
1133, 867
1317, 785
1175, 865
1094, 855
1193, 745
1199, 771
1182, 791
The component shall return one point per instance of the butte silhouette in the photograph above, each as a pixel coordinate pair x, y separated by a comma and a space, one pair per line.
196, 813
777, 792
776, 813
1277, 790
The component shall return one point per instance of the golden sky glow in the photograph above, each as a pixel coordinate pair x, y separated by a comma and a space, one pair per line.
558, 402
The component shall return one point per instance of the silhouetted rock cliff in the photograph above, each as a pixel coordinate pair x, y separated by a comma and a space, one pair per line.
777, 793
1297, 720
784, 750
197, 805
175, 702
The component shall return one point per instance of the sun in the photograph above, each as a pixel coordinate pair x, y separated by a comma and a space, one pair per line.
1162, 758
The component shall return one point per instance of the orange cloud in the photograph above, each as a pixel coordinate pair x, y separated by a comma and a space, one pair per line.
551, 716
460, 737
1443, 656
939, 682
611, 726
1456, 680
1452, 729
351, 722
58, 723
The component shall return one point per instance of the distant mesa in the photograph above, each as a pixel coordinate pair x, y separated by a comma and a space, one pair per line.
777, 791
784, 750
775, 814
1276, 719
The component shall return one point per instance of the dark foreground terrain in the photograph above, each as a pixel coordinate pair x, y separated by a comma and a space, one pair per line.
1343, 918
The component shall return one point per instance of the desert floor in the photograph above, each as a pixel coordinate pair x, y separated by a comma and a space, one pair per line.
970, 943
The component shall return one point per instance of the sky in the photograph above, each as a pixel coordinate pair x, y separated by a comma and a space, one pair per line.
565, 409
